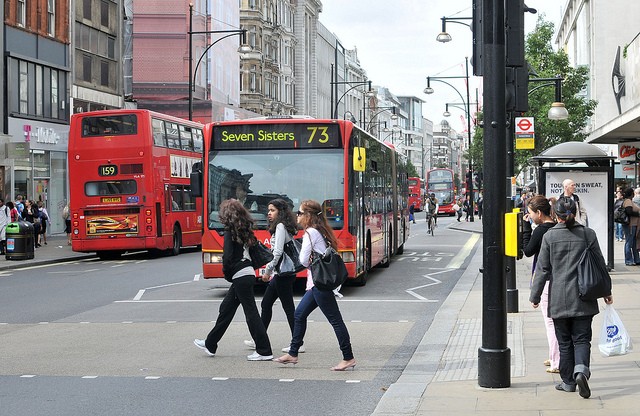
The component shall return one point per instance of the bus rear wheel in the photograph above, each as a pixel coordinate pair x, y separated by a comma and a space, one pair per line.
177, 242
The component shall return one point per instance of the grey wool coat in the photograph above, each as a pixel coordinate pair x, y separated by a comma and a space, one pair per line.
558, 263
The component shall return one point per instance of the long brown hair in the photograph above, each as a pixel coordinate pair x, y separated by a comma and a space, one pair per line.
237, 221
285, 216
315, 218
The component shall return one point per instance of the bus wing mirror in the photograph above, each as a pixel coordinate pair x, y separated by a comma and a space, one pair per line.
359, 158
196, 180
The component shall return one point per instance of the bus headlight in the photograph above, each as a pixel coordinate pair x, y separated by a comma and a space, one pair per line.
211, 258
348, 256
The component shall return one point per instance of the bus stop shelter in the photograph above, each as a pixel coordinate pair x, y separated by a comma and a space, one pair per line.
592, 170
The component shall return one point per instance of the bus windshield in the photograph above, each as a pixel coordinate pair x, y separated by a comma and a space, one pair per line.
257, 177
112, 125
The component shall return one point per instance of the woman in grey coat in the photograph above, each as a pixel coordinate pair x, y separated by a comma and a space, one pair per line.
561, 249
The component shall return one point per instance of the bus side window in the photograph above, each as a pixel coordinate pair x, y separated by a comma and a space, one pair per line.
159, 135
173, 136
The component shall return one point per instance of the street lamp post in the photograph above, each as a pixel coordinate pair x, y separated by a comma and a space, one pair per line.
429, 90
244, 48
393, 116
353, 85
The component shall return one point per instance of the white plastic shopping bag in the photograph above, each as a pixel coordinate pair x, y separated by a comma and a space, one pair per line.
614, 339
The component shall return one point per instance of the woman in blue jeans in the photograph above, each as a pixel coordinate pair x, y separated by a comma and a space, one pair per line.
631, 257
317, 237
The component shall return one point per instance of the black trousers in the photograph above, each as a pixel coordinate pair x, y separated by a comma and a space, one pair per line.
279, 287
574, 341
240, 293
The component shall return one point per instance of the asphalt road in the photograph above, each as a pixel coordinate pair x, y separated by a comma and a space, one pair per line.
99, 337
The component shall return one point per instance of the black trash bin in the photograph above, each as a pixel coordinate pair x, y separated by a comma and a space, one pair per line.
20, 241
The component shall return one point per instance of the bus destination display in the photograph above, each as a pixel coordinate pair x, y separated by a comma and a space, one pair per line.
276, 136
107, 170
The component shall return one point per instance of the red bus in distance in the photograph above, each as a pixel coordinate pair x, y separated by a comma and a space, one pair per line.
129, 182
416, 193
301, 158
440, 183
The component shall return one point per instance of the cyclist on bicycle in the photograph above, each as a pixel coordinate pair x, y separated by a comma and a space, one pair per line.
432, 207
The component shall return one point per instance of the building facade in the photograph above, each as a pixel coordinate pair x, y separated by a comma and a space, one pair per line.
35, 120
267, 73
604, 37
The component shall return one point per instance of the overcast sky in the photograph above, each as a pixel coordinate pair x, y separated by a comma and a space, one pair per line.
397, 47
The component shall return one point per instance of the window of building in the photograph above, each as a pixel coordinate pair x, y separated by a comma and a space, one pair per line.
54, 94
86, 68
24, 92
86, 9
39, 91
104, 73
21, 13
104, 13
51, 17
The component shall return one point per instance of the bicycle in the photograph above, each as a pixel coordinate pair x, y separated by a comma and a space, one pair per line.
431, 223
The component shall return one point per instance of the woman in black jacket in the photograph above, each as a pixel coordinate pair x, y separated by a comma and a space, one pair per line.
236, 266
31, 214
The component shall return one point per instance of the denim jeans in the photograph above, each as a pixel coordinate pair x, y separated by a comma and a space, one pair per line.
279, 287
618, 231
630, 252
240, 293
574, 339
326, 301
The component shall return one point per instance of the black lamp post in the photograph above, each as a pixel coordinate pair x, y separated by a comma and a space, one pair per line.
355, 84
444, 36
371, 122
192, 72
467, 103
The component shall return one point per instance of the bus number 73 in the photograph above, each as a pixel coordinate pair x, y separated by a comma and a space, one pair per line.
322, 132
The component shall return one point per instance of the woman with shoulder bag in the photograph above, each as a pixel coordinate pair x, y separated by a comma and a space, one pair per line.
237, 269
31, 214
318, 237
558, 262
282, 226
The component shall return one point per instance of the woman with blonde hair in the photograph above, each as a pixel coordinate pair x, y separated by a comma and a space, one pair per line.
318, 236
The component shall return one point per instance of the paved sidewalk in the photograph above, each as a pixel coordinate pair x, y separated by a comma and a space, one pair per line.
56, 251
441, 377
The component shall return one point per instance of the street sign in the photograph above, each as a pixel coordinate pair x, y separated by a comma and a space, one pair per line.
525, 136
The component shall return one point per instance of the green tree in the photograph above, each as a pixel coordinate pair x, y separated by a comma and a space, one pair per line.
412, 171
547, 63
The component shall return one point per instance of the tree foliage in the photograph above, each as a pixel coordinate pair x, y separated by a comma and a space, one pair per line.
547, 63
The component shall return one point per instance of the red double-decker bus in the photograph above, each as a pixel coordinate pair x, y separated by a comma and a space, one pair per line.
416, 193
129, 182
440, 183
301, 158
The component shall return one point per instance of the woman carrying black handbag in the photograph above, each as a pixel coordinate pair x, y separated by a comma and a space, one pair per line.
319, 235
282, 226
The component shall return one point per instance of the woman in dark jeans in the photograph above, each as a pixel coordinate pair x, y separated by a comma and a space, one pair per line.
31, 214
631, 257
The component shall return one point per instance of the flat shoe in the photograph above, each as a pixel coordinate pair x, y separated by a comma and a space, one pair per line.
345, 365
286, 359
552, 370
583, 386
547, 363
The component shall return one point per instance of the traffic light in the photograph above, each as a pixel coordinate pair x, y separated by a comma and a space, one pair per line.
478, 44
516, 89
514, 34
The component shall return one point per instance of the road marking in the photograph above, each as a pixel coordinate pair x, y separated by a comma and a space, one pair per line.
352, 381
459, 259
152, 378
434, 281
196, 277
140, 293
220, 378
89, 377
27, 376
257, 299
287, 380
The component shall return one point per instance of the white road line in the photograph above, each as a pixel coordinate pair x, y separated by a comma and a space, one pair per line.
27, 376
220, 378
90, 377
139, 295
352, 381
196, 277
257, 299
287, 380
152, 378
434, 281
458, 260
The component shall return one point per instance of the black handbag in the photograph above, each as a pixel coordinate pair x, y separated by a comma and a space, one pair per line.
328, 269
289, 263
260, 255
620, 215
594, 281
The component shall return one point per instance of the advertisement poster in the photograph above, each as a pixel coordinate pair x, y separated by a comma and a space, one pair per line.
591, 188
